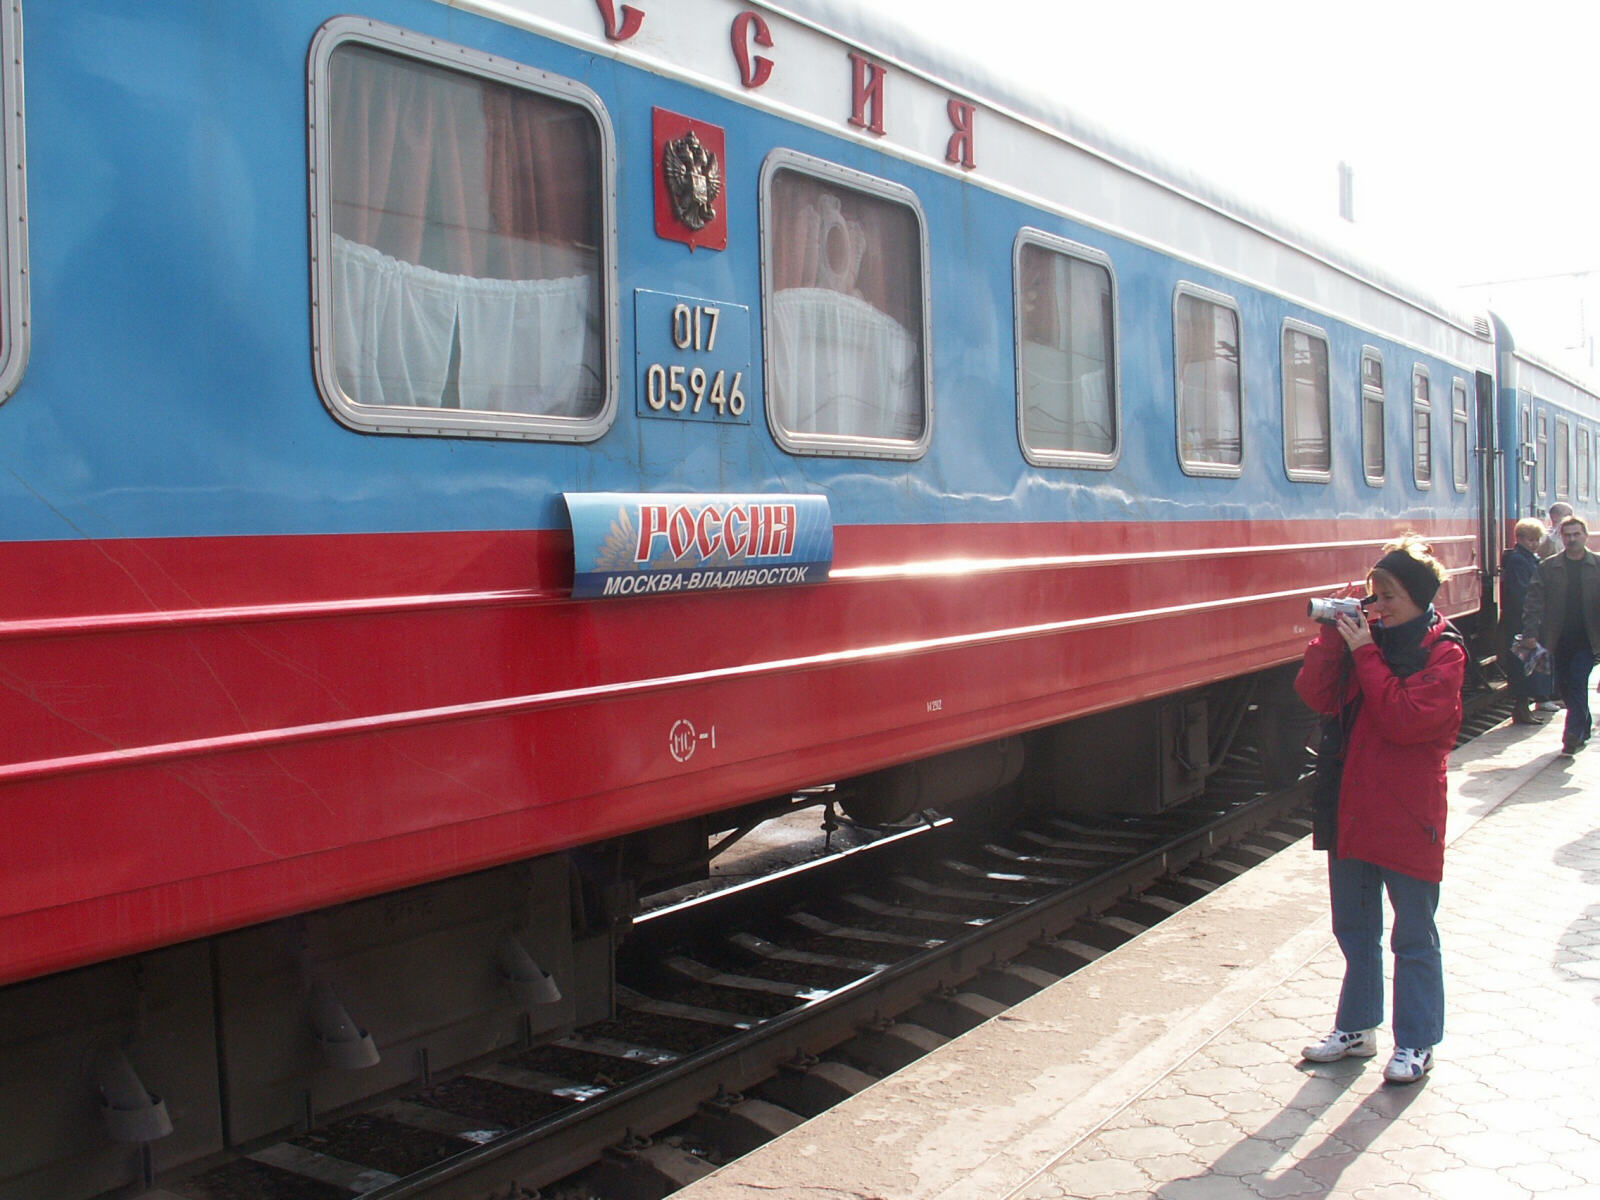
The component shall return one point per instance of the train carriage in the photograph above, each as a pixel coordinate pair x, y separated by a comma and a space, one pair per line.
459, 456
1548, 435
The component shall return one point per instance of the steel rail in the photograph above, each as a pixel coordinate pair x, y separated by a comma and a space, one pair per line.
552, 1149
558, 1146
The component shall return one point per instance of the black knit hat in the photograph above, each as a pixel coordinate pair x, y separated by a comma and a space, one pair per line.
1416, 576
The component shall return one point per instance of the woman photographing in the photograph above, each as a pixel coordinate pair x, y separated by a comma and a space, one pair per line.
1392, 692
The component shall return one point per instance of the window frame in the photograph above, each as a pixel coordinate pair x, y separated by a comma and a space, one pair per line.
1585, 462
1220, 300
832, 444
13, 198
1420, 372
1085, 460
1460, 472
1293, 325
407, 420
1381, 392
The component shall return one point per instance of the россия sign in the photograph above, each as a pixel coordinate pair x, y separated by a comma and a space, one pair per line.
643, 543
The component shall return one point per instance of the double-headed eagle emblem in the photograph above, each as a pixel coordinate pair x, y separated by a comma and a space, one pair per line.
694, 180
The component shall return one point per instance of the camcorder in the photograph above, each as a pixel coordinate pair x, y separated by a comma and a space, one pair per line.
1327, 610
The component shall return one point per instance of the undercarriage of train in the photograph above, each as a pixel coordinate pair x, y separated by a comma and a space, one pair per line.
119, 1072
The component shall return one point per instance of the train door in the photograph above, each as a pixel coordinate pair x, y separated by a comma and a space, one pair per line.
1527, 464
1520, 470
1488, 458
1584, 466
1541, 456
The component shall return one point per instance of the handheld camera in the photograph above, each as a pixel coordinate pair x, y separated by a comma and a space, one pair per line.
1328, 610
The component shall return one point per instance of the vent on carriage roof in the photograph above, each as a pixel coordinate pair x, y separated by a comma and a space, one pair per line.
1480, 326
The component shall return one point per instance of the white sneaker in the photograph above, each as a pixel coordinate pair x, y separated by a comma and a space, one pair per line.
1339, 1044
1408, 1066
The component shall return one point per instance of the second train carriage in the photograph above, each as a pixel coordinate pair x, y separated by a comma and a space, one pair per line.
925, 450
1548, 431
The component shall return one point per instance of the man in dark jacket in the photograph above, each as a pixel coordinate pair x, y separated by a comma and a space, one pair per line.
1562, 610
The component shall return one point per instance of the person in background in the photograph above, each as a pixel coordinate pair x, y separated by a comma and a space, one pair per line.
1393, 690
1550, 543
1563, 612
1517, 568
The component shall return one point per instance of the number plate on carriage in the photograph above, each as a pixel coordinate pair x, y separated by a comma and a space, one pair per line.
692, 358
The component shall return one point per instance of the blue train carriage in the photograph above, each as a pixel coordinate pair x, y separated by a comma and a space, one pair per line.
1549, 432
321, 329
1334, 398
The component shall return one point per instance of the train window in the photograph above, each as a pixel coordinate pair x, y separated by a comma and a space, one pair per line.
1563, 463
1206, 357
846, 310
1067, 380
1307, 441
1421, 428
1585, 483
1460, 462
463, 233
1372, 464
13, 239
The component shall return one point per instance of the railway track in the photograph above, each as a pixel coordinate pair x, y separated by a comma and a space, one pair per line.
743, 1012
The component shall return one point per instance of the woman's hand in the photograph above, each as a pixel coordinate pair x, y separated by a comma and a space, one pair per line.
1355, 632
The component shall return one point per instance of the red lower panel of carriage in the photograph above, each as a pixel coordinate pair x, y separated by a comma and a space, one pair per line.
201, 734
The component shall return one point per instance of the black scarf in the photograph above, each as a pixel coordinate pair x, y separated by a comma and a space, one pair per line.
1402, 646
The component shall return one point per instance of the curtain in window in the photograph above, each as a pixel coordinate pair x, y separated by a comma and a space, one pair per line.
515, 345
465, 260
846, 321
1208, 383
1067, 384
1305, 401
845, 367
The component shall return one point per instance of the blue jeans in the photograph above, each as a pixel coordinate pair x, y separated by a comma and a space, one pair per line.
1572, 669
1356, 889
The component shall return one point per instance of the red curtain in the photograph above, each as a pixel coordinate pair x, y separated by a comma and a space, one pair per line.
464, 175
811, 248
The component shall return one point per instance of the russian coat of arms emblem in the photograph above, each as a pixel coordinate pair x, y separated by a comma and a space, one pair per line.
693, 178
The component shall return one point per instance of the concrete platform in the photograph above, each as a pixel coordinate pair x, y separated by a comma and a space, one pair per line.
1172, 1068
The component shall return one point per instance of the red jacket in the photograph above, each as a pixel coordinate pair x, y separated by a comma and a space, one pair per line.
1392, 795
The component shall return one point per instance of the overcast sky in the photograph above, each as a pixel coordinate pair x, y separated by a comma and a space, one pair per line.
1469, 125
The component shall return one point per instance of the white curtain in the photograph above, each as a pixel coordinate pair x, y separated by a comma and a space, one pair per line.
520, 342
841, 366
1068, 403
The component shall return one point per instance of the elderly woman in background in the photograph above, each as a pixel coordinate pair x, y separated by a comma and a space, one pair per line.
1550, 543
1517, 568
